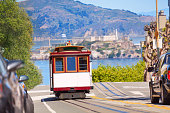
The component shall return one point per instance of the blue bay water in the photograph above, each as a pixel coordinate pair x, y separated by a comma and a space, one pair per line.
43, 65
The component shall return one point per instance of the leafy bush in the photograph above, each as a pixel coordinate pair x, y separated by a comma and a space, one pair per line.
16, 39
129, 56
135, 73
124, 54
100, 49
106, 45
111, 55
118, 54
138, 51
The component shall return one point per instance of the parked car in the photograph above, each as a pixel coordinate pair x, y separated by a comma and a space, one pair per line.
5, 89
12, 95
160, 80
28, 103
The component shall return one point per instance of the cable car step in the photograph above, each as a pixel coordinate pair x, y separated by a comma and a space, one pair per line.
72, 95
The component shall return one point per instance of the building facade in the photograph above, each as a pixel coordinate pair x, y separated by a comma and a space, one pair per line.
162, 19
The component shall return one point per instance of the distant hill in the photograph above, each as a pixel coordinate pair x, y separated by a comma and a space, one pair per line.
51, 18
153, 13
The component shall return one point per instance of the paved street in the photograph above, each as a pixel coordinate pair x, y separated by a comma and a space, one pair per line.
122, 97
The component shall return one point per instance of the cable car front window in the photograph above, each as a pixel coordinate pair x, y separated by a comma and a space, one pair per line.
71, 64
59, 64
82, 63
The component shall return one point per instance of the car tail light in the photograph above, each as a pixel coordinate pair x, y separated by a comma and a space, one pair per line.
1, 89
23, 86
168, 75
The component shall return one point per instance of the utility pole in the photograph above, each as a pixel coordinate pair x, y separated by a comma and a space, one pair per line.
157, 30
169, 9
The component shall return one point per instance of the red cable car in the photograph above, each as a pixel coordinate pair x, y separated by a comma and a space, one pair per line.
70, 72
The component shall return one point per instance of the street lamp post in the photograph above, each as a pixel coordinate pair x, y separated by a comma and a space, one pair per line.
169, 9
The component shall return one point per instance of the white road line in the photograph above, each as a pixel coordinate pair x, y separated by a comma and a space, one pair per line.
40, 91
48, 107
109, 97
137, 93
90, 94
134, 87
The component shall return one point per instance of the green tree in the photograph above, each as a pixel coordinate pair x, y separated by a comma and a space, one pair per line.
118, 54
112, 55
16, 38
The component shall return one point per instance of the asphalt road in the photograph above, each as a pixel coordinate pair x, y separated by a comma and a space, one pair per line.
121, 97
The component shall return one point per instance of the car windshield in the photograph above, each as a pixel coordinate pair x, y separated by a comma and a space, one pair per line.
168, 59
2, 66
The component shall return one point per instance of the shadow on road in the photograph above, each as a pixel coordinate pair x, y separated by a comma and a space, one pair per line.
57, 99
48, 99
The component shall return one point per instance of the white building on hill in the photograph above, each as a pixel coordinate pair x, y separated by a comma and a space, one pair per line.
104, 38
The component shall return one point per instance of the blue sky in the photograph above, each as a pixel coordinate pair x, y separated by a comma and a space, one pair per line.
132, 5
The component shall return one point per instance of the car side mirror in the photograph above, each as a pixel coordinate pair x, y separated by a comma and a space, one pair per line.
23, 78
14, 65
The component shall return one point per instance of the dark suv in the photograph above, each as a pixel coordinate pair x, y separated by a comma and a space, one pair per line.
160, 80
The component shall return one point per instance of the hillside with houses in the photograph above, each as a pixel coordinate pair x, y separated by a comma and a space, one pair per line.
101, 47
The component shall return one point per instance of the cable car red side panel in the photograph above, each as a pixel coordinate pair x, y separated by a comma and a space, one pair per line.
72, 88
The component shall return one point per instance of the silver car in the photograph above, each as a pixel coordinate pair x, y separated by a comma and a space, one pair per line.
11, 94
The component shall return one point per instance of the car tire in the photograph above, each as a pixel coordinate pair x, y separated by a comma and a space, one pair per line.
29, 105
165, 100
154, 100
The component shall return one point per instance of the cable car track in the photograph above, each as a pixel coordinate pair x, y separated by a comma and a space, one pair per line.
104, 106
67, 101
110, 105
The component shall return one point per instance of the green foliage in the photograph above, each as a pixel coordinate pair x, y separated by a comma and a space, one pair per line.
106, 45
107, 73
138, 51
129, 56
165, 39
164, 29
102, 52
16, 38
118, 54
35, 76
86, 44
100, 49
112, 55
